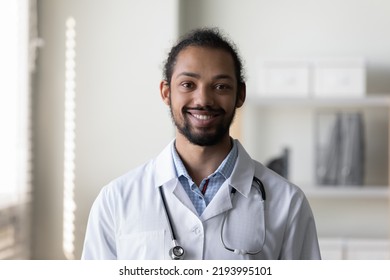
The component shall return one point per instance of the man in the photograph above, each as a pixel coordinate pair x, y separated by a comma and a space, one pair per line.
203, 197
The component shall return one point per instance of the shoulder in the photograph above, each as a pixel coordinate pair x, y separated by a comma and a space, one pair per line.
143, 178
275, 185
278, 186
119, 195
129, 180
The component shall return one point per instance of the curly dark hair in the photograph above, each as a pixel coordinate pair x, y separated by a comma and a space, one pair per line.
209, 38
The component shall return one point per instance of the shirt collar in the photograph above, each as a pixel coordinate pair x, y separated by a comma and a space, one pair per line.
225, 168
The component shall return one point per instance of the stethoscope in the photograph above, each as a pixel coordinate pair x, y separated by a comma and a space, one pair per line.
177, 252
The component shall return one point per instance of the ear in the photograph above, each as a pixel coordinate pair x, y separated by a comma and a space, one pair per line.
165, 92
241, 96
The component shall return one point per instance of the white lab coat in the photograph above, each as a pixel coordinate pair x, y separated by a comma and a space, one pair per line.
127, 220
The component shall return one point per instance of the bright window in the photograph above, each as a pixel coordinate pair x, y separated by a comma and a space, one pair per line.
14, 101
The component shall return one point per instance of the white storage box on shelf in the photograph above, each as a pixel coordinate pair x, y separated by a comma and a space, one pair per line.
341, 77
287, 78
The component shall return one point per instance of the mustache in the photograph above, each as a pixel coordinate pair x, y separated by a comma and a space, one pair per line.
207, 109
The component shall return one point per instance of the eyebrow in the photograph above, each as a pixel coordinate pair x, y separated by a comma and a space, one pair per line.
189, 74
217, 77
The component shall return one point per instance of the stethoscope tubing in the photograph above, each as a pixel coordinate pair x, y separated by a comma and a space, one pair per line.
261, 190
177, 252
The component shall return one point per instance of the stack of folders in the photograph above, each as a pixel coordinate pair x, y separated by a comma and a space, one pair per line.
340, 149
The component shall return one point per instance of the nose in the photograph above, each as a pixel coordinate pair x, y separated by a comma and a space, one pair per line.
204, 97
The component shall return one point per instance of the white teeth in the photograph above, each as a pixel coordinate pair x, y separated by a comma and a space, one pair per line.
202, 117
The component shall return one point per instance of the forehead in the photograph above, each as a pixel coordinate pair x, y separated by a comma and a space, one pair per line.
204, 60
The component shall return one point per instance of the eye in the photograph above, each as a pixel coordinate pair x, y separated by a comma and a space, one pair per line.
223, 87
187, 85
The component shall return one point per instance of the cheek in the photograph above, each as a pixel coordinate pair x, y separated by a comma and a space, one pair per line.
177, 102
176, 110
228, 104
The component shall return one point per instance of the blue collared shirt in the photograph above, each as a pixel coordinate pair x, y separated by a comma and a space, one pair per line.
213, 182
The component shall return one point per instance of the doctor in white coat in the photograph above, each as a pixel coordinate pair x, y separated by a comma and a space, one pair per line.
203, 197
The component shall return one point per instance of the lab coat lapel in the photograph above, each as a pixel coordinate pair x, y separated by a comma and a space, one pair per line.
240, 179
165, 175
243, 172
164, 169
219, 204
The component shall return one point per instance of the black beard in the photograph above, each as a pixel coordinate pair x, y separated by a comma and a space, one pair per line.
204, 138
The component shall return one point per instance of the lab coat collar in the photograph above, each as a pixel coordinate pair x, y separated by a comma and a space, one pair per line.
243, 172
164, 168
240, 179
165, 175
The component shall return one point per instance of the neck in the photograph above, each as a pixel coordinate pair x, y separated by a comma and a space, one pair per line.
201, 161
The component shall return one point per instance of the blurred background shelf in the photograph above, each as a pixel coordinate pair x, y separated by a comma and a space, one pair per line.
349, 192
370, 100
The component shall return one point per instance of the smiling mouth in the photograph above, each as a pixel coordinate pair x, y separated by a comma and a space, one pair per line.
204, 113
203, 117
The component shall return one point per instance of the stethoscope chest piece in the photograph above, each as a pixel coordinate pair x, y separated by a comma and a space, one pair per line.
176, 252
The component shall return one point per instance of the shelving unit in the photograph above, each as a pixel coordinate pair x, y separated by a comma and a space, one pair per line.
272, 124
290, 122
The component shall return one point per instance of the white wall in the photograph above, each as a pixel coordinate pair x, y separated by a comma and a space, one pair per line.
120, 119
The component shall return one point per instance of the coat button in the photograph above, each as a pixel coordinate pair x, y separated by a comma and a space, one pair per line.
196, 230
